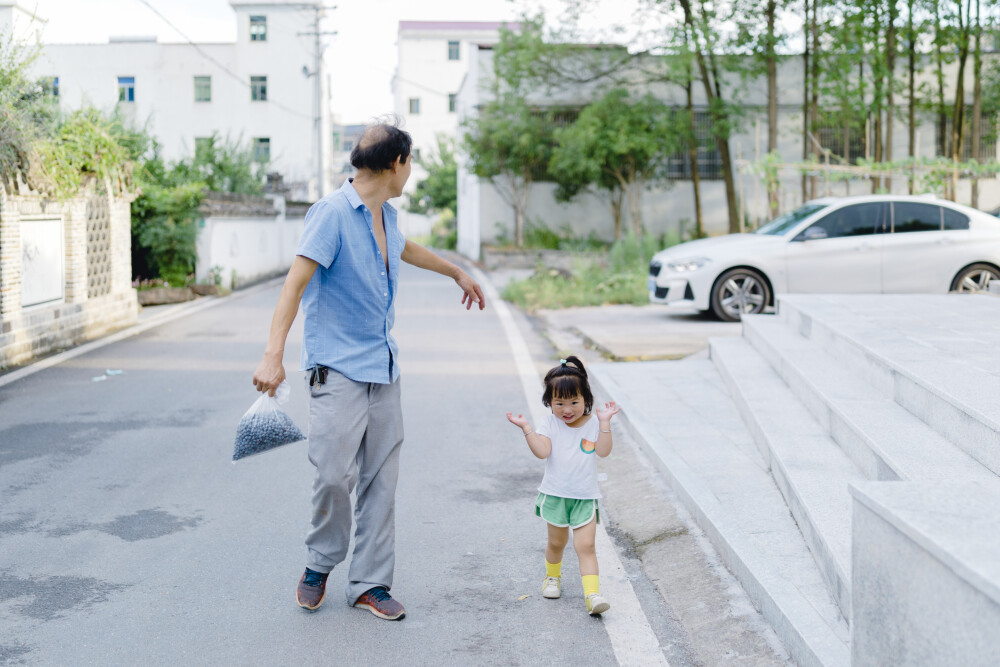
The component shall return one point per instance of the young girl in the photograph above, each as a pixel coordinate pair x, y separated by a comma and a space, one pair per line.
567, 440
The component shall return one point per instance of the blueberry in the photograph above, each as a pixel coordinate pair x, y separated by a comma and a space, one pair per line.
260, 431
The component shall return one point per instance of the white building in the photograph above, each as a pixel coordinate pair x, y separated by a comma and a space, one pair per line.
267, 88
433, 61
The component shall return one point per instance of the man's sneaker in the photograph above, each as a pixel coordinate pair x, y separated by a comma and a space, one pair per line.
552, 587
311, 590
597, 605
378, 601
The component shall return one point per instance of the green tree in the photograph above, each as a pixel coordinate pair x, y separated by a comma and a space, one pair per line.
165, 212
439, 191
616, 144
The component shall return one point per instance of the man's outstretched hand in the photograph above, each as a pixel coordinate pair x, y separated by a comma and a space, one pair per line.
471, 292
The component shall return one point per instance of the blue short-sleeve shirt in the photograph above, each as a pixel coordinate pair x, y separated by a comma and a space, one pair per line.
348, 304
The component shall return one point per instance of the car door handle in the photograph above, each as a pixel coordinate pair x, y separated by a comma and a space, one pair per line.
944, 241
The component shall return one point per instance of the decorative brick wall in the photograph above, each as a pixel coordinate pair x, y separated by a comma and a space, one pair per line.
98, 297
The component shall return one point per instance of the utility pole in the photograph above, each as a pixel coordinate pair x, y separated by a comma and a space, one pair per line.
317, 73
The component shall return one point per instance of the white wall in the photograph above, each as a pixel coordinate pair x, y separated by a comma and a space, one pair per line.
254, 248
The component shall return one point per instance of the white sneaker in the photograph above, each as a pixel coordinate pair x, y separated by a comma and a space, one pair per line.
552, 587
597, 605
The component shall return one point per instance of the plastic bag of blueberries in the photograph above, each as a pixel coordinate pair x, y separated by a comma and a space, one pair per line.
266, 426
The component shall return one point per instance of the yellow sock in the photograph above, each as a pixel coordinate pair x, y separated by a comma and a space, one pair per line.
553, 569
590, 584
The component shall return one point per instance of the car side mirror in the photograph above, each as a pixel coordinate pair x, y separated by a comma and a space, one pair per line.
814, 233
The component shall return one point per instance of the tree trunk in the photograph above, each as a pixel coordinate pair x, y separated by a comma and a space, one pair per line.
772, 102
805, 98
814, 85
722, 142
943, 146
615, 197
958, 109
890, 106
635, 188
699, 226
977, 103
878, 85
911, 70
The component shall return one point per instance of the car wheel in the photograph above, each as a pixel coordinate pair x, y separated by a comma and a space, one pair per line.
739, 292
975, 278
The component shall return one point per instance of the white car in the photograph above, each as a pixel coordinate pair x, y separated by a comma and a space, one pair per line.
835, 245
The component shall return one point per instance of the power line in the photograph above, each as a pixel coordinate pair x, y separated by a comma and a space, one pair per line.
215, 62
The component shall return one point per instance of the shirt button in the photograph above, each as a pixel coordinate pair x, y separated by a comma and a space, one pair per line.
383, 273
385, 294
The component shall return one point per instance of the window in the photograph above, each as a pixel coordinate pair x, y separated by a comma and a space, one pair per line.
784, 223
832, 139
414, 105
910, 217
50, 85
258, 28
203, 89
126, 89
202, 146
953, 220
258, 89
416, 154
856, 220
452, 50
348, 145
987, 137
709, 160
451, 102
262, 149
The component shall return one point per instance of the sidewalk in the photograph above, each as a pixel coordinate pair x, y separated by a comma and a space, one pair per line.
639, 333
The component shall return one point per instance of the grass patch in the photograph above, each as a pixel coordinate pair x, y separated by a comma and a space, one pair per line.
621, 278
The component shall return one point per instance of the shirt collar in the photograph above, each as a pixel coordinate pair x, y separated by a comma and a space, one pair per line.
352, 195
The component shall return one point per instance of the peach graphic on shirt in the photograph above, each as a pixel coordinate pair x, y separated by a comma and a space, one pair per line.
587, 447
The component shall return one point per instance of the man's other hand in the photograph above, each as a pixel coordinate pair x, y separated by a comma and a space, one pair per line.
269, 374
471, 292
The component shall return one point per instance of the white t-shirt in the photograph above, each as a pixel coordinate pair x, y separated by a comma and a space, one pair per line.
571, 468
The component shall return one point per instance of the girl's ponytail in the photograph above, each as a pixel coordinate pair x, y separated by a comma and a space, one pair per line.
576, 362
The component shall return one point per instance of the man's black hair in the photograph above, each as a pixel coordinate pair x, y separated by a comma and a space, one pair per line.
568, 380
380, 145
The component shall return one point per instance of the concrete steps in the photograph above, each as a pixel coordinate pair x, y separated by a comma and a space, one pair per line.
832, 395
938, 362
885, 441
683, 416
810, 470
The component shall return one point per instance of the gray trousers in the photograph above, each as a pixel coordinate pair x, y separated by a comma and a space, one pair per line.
355, 434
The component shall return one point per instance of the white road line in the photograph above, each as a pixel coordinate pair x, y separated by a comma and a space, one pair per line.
154, 321
632, 638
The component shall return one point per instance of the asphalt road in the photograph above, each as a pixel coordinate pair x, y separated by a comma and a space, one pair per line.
128, 536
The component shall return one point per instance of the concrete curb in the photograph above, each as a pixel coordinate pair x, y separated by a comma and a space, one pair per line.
806, 636
177, 312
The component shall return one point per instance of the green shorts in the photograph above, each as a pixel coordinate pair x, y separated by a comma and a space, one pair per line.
567, 512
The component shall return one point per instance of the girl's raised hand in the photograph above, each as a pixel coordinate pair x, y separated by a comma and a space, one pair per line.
520, 420
608, 411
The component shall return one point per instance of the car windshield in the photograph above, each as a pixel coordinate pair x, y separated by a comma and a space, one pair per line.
783, 223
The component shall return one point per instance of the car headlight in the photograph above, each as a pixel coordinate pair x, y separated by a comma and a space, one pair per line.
687, 264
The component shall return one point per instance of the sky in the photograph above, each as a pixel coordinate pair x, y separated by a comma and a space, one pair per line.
361, 56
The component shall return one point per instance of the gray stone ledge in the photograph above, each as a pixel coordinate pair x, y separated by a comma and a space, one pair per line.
957, 523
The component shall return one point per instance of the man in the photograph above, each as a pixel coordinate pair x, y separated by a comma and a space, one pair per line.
345, 274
